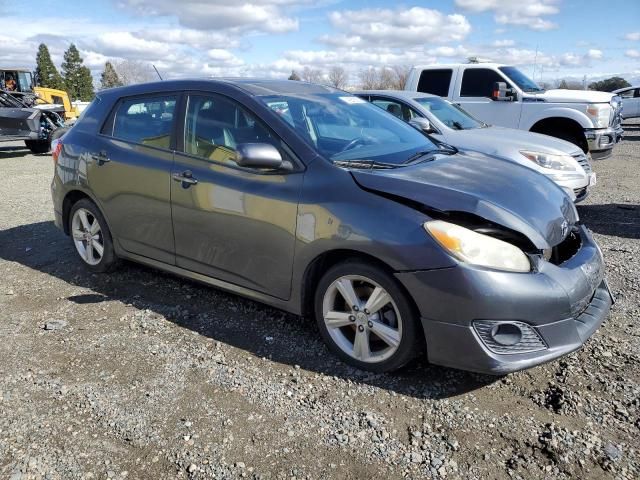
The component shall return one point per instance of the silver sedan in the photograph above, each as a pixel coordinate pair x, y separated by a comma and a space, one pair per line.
559, 160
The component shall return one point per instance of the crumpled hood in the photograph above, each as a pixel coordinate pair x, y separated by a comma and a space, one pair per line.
573, 96
497, 140
497, 190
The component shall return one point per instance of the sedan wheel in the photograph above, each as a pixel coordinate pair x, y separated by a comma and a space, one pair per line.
366, 318
87, 236
362, 318
91, 237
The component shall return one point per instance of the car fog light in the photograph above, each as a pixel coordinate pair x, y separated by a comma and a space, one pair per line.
508, 337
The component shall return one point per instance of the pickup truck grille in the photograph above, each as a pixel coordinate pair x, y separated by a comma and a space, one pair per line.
582, 159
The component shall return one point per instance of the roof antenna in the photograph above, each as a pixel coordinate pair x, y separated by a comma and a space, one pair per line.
154, 67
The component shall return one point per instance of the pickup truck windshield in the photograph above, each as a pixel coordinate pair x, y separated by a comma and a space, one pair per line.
521, 80
343, 127
451, 115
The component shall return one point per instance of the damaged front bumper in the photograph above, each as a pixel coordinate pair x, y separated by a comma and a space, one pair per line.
498, 322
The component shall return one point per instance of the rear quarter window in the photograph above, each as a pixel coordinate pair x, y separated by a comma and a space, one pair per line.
435, 82
144, 120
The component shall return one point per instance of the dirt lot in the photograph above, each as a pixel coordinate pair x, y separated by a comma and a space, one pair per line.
143, 375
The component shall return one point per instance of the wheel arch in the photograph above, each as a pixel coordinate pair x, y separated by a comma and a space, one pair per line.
553, 125
323, 262
70, 199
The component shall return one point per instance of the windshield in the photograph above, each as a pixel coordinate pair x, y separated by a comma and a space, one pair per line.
521, 80
451, 115
24, 80
342, 127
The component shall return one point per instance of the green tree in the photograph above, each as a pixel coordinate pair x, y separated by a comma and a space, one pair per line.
609, 84
47, 74
109, 77
77, 77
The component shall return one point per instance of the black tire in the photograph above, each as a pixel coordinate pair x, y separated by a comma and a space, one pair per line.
577, 139
109, 260
412, 337
38, 146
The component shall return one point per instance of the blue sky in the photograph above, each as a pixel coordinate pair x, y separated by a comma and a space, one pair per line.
572, 38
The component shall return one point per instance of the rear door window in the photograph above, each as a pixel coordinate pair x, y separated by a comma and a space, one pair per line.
478, 82
435, 82
145, 120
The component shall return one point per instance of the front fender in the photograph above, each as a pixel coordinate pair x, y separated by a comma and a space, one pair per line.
559, 112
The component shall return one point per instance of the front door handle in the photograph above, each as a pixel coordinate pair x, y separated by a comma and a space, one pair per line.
101, 158
186, 178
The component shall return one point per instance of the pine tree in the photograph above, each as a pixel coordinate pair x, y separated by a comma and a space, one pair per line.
77, 77
109, 77
47, 74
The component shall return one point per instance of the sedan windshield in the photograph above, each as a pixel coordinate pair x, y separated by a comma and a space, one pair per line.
521, 80
451, 115
342, 127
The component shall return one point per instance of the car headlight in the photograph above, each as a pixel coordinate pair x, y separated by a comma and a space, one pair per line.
553, 162
477, 249
600, 113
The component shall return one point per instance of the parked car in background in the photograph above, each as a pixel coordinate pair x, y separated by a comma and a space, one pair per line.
630, 97
502, 95
561, 161
313, 200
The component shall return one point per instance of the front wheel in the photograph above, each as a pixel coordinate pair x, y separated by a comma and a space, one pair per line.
91, 236
366, 318
38, 146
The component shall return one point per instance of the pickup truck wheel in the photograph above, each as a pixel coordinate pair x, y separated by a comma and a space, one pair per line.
38, 146
576, 139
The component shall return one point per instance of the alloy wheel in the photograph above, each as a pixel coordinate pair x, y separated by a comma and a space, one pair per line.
87, 236
362, 318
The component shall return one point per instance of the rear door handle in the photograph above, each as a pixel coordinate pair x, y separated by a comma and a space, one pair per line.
101, 158
186, 178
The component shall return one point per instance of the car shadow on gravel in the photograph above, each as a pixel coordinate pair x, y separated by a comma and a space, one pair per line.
255, 328
13, 152
616, 219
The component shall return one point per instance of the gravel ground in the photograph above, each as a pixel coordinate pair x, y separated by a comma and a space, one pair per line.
144, 375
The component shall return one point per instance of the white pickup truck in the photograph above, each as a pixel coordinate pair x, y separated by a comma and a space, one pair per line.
503, 95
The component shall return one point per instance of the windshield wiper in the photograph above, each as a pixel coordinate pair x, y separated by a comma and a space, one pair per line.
457, 125
364, 164
443, 149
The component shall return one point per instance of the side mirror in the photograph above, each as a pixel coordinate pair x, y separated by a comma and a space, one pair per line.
258, 155
501, 93
421, 124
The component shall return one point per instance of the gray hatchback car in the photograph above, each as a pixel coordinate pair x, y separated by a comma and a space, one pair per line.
314, 201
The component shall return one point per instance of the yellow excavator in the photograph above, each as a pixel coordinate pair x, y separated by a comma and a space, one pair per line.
20, 81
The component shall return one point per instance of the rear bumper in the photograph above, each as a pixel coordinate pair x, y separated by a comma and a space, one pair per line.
563, 304
602, 140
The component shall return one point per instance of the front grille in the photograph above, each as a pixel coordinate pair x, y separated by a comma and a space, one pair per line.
566, 249
582, 159
580, 193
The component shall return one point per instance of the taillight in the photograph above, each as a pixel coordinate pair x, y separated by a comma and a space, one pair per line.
56, 148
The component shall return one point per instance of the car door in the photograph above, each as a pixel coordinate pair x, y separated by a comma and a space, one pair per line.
128, 170
473, 93
232, 223
630, 102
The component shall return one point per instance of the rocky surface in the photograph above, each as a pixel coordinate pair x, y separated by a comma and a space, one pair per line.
140, 374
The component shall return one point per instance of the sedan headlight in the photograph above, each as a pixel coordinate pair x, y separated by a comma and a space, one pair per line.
477, 249
600, 113
553, 162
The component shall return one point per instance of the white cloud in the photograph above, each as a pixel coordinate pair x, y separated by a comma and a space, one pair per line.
503, 43
594, 54
400, 27
633, 36
509, 12
632, 53
263, 16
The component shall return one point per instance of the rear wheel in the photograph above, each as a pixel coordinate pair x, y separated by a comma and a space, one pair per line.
91, 237
366, 318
